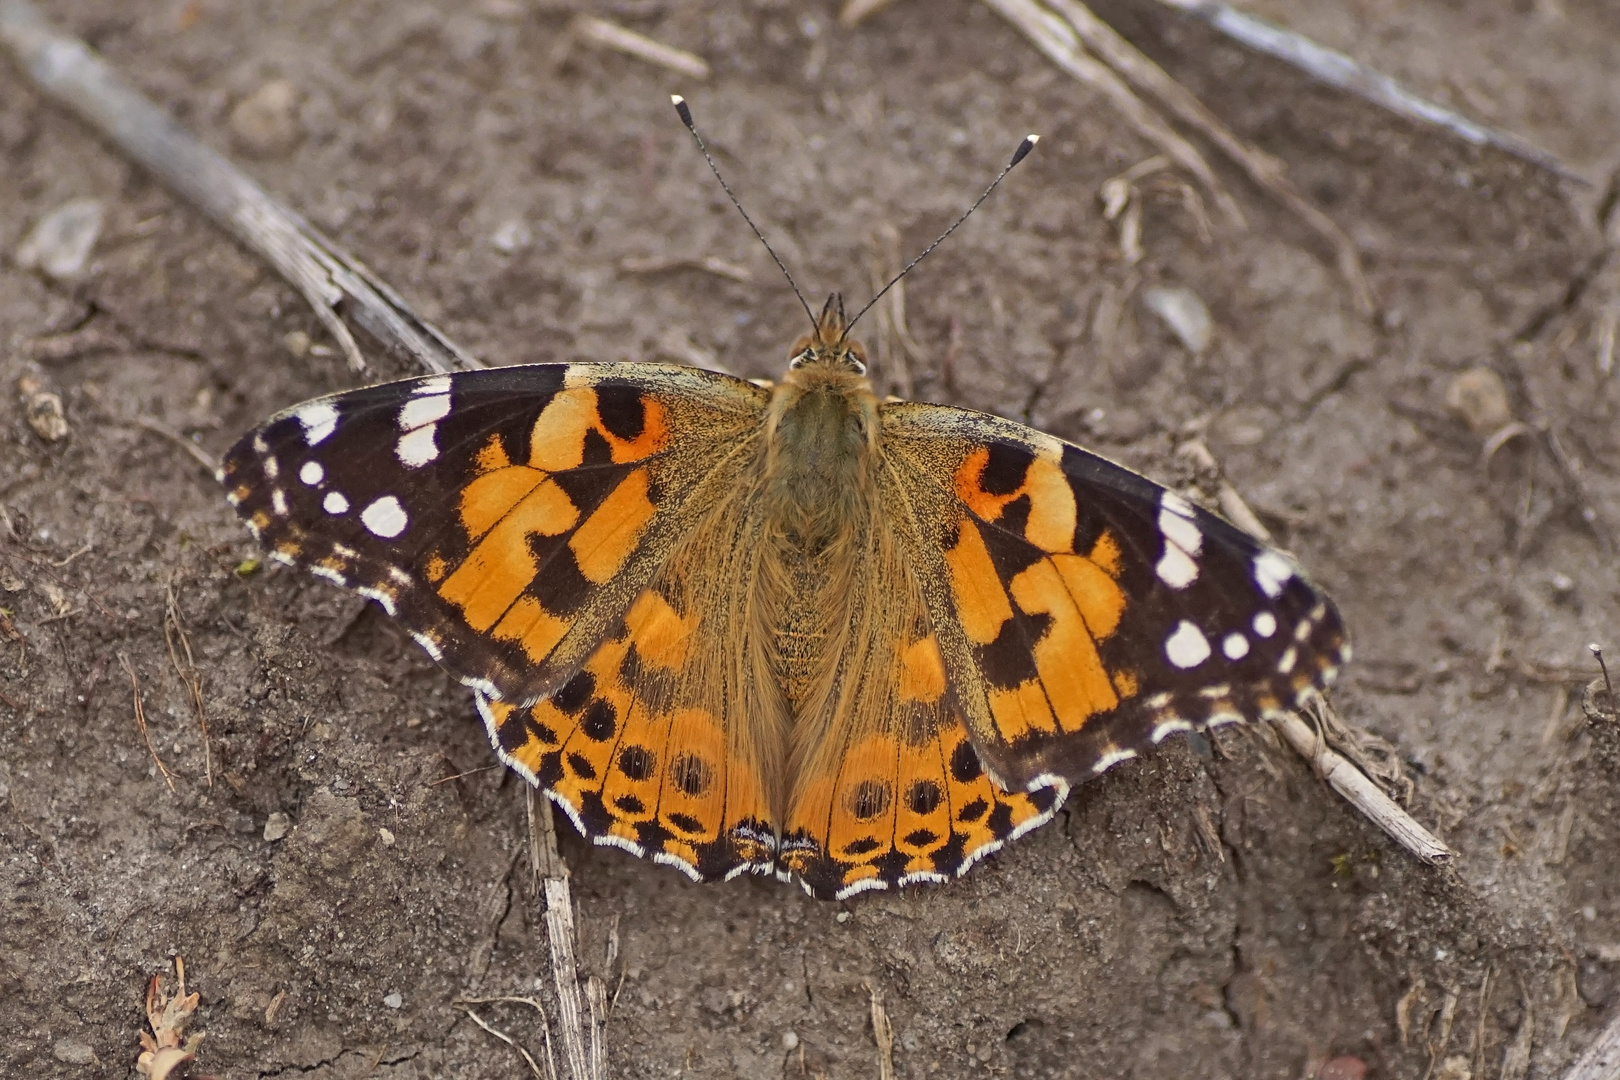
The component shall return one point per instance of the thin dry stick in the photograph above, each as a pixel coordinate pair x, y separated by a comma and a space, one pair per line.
882, 1031
854, 11
140, 721
513, 1043
329, 277
613, 36
188, 674
1062, 46
1337, 69
1363, 794
1602, 1059
1268, 173
551, 874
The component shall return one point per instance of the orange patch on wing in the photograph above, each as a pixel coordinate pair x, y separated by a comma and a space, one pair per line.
1097, 596
1052, 510
693, 799
436, 568
922, 671
501, 566
660, 635
1022, 711
492, 456
558, 439
532, 627
1105, 553
1126, 684
981, 603
922, 819
604, 541
1076, 683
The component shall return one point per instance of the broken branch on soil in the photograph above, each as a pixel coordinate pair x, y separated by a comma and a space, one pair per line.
613, 36
1345, 73
1361, 793
140, 721
882, 1031
166, 1048
329, 278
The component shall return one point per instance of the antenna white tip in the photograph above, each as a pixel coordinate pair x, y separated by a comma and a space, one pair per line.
676, 99
1033, 138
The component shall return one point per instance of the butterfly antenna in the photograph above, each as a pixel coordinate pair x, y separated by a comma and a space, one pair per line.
686, 118
1018, 155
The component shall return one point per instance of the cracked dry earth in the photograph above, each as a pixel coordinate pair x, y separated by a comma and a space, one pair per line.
1212, 910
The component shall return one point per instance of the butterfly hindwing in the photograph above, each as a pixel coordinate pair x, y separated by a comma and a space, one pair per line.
506, 517
1087, 612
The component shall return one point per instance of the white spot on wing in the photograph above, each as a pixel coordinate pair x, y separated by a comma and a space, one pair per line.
438, 384
1265, 624
386, 599
278, 502
385, 517
417, 448
272, 468
329, 574
319, 420
311, 473
1176, 568
1285, 663
1271, 573
1236, 646
429, 645
1186, 646
1168, 728
335, 503
423, 410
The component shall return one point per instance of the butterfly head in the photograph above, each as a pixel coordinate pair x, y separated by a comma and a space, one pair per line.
827, 344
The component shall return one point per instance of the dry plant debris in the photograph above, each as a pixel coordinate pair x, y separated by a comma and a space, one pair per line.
167, 1048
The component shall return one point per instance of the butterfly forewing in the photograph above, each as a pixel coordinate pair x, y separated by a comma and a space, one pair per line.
1087, 612
507, 517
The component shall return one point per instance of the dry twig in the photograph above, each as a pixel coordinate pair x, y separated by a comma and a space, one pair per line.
174, 629
586, 1057
613, 36
329, 277
1602, 1059
1362, 793
140, 721
551, 1064
1337, 69
882, 1031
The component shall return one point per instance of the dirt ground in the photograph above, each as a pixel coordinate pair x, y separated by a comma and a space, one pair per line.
1211, 911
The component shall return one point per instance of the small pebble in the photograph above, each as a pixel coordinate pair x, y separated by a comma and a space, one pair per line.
790, 1040
1343, 1068
511, 237
265, 122
386, 837
296, 342
1185, 314
73, 1052
394, 1000
842, 916
276, 826
43, 409
1479, 396
60, 243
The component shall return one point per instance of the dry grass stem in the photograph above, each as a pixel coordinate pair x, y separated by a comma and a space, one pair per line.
67, 71
140, 721
1336, 69
882, 1031
1366, 796
174, 629
585, 1056
654, 264
1054, 37
854, 11
613, 36
1267, 173
897, 350
549, 1074
198, 454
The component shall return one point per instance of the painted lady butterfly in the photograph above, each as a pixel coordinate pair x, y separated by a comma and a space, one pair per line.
783, 627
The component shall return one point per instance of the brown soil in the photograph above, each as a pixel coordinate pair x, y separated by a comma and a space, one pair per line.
1212, 911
